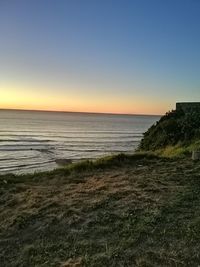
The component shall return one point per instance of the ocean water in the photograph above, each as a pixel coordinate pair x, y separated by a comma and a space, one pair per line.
32, 141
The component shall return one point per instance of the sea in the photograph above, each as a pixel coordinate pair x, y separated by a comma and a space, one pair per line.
33, 141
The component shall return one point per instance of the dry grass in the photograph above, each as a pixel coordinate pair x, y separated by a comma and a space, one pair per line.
130, 211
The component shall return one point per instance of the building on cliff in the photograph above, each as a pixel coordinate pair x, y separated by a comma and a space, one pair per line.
188, 107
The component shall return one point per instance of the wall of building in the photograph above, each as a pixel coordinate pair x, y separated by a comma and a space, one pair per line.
188, 106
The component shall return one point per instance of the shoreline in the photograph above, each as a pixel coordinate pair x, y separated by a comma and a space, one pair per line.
62, 163
73, 163
31, 138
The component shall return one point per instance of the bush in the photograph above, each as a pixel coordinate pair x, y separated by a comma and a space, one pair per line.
175, 127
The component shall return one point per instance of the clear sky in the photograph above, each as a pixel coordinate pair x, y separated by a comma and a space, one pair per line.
120, 56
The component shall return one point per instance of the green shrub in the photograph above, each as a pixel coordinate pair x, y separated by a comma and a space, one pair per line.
174, 128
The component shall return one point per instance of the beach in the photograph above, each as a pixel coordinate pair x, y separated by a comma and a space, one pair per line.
32, 141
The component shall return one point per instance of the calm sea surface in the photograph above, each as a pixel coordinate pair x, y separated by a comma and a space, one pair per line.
32, 141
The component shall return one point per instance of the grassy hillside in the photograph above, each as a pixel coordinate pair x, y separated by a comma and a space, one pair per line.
120, 211
175, 133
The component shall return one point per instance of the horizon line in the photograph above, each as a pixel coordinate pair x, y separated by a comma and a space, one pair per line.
78, 112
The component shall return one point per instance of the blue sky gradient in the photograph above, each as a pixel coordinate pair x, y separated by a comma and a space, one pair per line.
122, 56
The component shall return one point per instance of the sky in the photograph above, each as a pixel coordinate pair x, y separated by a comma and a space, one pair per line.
115, 56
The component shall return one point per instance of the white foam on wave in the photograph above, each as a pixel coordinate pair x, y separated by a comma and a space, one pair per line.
43, 137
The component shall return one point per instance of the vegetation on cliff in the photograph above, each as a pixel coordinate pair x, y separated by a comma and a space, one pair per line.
175, 129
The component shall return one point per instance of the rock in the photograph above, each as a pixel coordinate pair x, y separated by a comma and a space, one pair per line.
195, 155
63, 162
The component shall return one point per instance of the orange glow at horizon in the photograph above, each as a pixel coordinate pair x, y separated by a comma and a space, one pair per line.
21, 98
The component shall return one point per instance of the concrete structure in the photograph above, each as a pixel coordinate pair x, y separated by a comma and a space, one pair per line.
195, 155
188, 106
